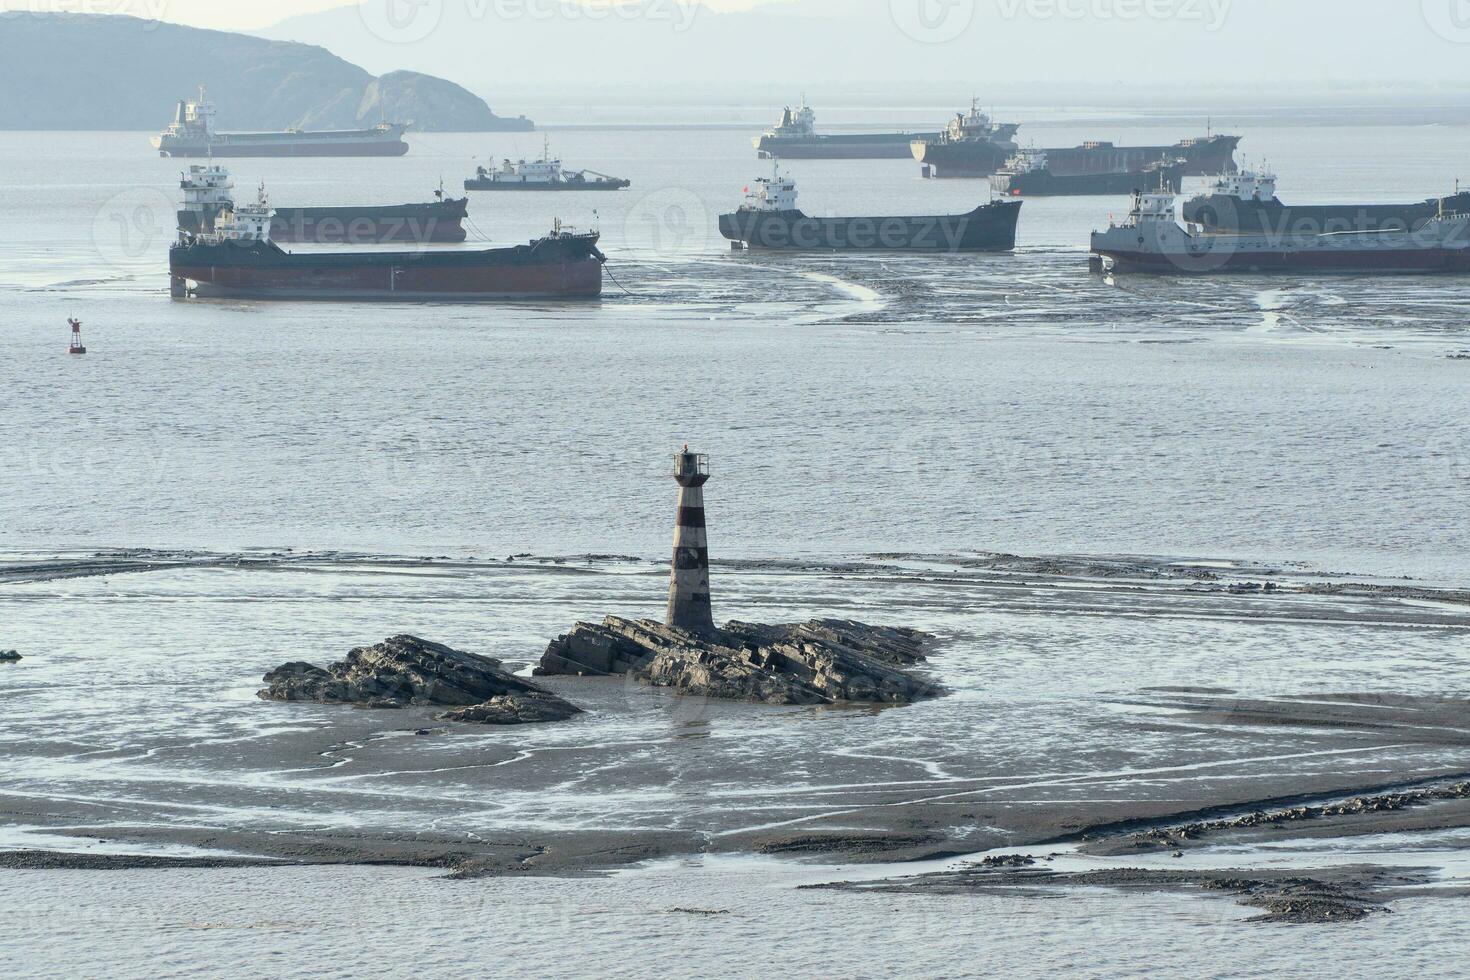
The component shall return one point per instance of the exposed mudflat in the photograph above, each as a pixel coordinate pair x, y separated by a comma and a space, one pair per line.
1081, 710
1308, 897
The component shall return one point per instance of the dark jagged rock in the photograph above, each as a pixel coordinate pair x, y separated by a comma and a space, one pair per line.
1168, 838
1008, 861
528, 708
821, 662
405, 670
851, 844
10, 657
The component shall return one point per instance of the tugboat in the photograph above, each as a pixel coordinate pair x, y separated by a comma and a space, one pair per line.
1029, 174
770, 219
238, 259
796, 138
970, 146
545, 174
1247, 202
1152, 239
192, 134
208, 193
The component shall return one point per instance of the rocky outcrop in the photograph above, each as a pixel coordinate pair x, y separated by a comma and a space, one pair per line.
820, 662
430, 104
9, 657
528, 708
405, 670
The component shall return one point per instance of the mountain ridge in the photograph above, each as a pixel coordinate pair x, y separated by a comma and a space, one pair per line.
64, 71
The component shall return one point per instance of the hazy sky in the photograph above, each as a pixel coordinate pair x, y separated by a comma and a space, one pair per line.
238, 14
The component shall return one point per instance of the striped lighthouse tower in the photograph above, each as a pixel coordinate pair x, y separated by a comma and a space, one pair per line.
689, 605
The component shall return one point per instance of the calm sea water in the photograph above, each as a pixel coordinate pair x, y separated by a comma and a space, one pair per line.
852, 404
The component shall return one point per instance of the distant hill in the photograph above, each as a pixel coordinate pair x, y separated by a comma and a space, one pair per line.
75, 71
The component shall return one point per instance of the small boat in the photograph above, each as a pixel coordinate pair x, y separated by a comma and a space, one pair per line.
545, 174
770, 219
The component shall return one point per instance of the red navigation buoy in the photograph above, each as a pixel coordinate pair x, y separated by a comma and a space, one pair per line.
76, 338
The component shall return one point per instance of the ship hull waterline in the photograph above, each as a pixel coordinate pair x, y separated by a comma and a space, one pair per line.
547, 270
198, 151
989, 228
973, 159
894, 146
1319, 261
501, 185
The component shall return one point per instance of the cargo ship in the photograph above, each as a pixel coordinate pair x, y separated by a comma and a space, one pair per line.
239, 260
1029, 174
545, 174
770, 219
973, 147
1152, 239
1247, 202
193, 134
209, 192
796, 138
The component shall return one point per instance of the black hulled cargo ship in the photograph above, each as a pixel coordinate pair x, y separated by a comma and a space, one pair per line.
1029, 174
770, 219
209, 193
1152, 239
1246, 202
796, 138
971, 145
193, 134
240, 260
974, 147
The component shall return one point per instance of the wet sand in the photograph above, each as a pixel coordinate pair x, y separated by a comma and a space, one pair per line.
323, 785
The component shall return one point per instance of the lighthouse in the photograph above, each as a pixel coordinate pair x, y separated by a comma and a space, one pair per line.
689, 604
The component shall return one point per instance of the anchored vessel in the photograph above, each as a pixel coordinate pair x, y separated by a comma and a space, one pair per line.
208, 193
796, 137
769, 218
239, 259
1152, 239
545, 174
973, 146
1247, 202
970, 146
1029, 174
192, 134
